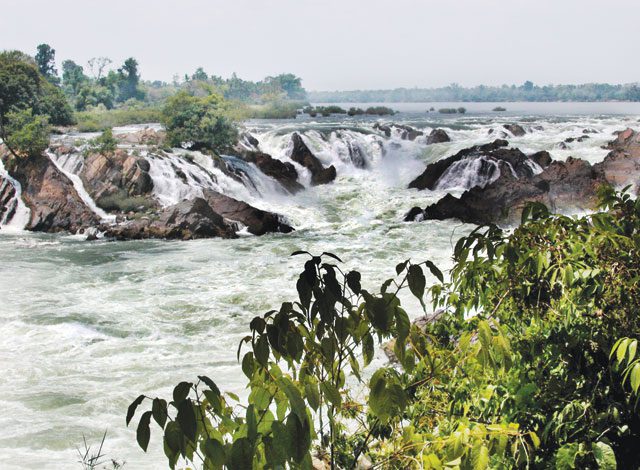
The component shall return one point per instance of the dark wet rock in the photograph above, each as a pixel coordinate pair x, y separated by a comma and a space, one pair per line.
493, 156
570, 185
568, 140
516, 129
590, 131
563, 146
283, 172
405, 132
438, 136
54, 203
247, 142
257, 221
8, 200
356, 155
186, 220
582, 138
303, 156
537, 128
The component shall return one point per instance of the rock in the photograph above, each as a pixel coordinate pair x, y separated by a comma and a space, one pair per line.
516, 129
405, 132
55, 205
144, 136
493, 152
302, 155
437, 136
257, 221
563, 146
570, 185
283, 172
246, 143
186, 220
8, 201
589, 131
111, 173
621, 166
583, 138
568, 140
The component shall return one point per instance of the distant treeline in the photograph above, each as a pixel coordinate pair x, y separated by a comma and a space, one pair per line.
525, 92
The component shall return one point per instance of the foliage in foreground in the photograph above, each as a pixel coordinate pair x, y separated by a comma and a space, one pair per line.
515, 372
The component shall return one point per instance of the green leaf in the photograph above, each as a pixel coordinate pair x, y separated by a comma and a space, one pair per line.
605, 457
331, 393
214, 451
367, 348
209, 383
181, 391
481, 460
353, 281
295, 398
312, 394
635, 377
159, 411
143, 434
261, 350
299, 437
186, 418
248, 365
132, 408
241, 457
260, 397
566, 456
252, 424
435, 271
417, 281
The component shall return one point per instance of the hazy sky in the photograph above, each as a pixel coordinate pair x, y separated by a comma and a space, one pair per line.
345, 44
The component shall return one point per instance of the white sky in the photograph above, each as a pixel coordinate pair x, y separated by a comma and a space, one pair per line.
347, 44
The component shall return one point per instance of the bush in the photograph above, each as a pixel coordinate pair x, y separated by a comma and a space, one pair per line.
355, 111
104, 143
26, 134
198, 122
499, 109
462, 110
122, 202
514, 372
379, 111
447, 110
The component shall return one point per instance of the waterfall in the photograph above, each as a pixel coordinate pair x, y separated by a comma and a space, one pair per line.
468, 173
15, 214
69, 165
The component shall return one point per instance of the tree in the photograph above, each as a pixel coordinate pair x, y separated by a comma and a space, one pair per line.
97, 66
200, 75
72, 76
29, 101
198, 122
128, 80
46, 61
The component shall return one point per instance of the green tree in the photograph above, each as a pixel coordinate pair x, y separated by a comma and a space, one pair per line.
72, 77
46, 61
200, 75
199, 122
128, 81
25, 134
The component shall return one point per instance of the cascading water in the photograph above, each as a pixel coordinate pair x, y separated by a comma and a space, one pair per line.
14, 214
468, 173
69, 165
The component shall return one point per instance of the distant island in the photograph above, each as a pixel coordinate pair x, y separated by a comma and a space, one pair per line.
528, 91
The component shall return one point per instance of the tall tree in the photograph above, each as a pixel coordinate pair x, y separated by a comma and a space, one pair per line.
46, 62
128, 80
72, 76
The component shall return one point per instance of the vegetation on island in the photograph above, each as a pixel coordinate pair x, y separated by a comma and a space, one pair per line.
530, 361
459, 110
528, 91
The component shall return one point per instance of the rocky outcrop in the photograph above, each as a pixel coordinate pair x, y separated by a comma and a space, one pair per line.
404, 132
283, 172
186, 220
516, 129
302, 155
621, 166
437, 136
490, 158
55, 205
257, 221
570, 185
106, 174
146, 136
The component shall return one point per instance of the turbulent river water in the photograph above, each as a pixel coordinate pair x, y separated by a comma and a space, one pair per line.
87, 326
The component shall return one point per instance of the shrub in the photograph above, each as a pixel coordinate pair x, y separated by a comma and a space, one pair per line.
26, 134
122, 202
514, 372
499, 109
104, 143
447, 110
198, 122
100, 118
462, 110
379, 111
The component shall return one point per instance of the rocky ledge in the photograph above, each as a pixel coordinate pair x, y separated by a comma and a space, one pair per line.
569, 185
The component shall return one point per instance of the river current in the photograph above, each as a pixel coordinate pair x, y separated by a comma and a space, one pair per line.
88, 326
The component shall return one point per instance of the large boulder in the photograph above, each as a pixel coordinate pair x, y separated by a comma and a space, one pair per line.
8, 201
516, 129
186, 220
487, 160
257, 221
437, 136
283, 172
403, 131
106, 174
570, 185
54, 203
621, 166
302, 155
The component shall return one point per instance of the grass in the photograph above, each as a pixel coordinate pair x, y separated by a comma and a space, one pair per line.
98, 120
